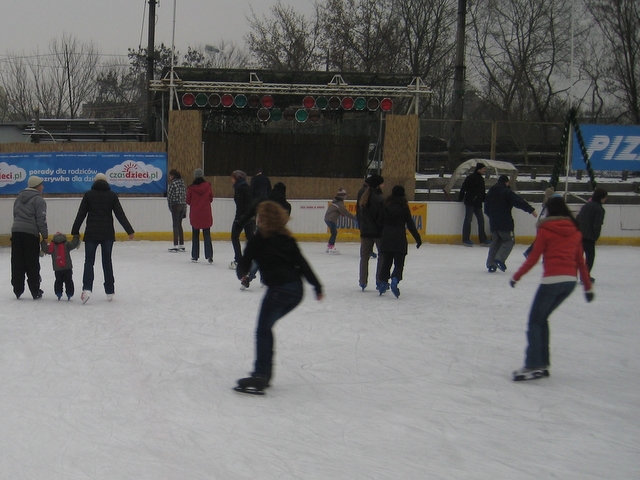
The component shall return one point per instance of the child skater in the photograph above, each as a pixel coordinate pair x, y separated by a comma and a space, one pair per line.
281, 264
559, 242
336, 208
59, 249
393, 245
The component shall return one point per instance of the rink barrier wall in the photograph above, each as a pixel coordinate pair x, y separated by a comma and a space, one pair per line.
442, 221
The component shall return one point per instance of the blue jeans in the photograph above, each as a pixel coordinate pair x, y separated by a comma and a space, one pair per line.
90, 248
333, 228
277, 302
195, 243
547, 299
469, 212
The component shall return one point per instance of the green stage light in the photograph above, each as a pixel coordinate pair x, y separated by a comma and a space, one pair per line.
360, 103
202, 100
302, 115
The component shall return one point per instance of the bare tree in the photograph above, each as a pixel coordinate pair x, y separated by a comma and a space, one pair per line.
285, 41
520, 55
427, 28
18, 88
363, 35
619, 22
57, 83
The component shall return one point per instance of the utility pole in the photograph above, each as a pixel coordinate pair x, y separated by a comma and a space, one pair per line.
455, 141
150, 70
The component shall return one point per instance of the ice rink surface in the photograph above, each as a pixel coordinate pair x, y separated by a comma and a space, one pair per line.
365, 386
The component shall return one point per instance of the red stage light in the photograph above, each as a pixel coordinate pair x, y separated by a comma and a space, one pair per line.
188, 99
227, 100
386, 104
347, 103
308, 102
267, 101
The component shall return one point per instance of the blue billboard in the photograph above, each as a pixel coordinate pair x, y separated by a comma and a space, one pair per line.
73, 172
610, 147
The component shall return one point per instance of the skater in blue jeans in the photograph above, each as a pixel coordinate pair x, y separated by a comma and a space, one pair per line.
282, 265
98, 206
559, 242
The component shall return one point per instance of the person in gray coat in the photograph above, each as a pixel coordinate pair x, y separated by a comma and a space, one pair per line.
29, 225
498, 204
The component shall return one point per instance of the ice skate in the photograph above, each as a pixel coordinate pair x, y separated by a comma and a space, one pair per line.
525, 373
394, 287
110, 296
233, 265
501, 266
174, 250
244, 283
85, 296
382, 287
253, 385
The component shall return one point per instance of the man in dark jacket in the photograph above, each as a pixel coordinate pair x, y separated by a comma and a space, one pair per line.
98, 206
370, 220
243, 200
498, 204
590, 220
472, 193
29, 224
260, 185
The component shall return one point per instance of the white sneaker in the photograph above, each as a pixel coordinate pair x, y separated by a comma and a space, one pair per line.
110, 296
85, 295
233, 265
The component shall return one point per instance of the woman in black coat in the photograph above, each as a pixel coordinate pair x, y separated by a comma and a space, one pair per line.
397, 219
99, 205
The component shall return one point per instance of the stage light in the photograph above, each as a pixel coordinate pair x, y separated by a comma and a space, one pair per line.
334, 103
276, 114
302, 115
202, 100
214, 100
289, 114
188, 99
267, 101
360, 103
308, 102
240, 100
373, 104
263, 114
322, 102
314, 115
386, 104
347, 103
254, 101
226, 100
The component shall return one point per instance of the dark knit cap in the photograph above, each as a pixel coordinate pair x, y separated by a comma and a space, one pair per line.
342, 193
503, 179
480, 166
398, 191
374, 180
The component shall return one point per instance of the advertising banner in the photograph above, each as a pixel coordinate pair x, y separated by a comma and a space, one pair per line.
610, 147
418, 213
73, 172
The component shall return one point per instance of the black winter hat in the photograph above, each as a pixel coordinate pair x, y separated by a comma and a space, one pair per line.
374, 180
479, 166
503, 179
398, 191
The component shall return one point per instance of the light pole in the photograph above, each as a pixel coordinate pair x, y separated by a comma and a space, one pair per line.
173, 48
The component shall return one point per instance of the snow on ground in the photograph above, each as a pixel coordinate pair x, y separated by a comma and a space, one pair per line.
365, 386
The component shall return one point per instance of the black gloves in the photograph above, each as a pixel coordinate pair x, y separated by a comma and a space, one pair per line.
512, 282
418, 243
589, 296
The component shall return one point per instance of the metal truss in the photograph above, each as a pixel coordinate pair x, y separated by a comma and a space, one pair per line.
336, 87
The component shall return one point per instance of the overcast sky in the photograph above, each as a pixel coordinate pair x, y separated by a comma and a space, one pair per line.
115, 25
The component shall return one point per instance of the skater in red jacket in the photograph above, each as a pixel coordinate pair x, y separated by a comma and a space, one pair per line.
559, 242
